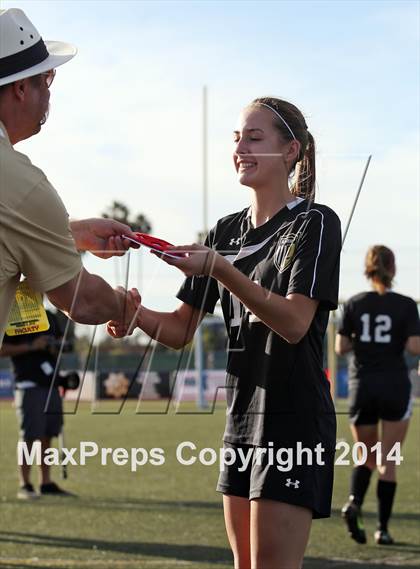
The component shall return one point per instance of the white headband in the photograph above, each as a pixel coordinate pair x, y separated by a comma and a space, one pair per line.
280, 117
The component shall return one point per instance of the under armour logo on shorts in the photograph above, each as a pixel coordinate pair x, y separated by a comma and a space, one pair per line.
295, 484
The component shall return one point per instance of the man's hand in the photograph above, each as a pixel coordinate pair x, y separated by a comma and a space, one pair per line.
126, 327
101, 236
40, 343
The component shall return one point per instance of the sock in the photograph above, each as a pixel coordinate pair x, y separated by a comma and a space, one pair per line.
385, 492
360, 478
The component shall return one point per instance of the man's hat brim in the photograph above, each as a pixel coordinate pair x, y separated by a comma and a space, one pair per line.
59, 53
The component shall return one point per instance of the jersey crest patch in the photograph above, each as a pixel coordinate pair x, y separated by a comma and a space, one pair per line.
285, 251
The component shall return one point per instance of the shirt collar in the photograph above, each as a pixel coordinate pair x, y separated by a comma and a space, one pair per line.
3, 133
295, 202
290, 205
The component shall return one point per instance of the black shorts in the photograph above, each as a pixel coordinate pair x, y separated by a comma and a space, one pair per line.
379, 396
306, 485
34, 421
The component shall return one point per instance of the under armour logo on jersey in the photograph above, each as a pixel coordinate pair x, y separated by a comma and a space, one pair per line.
234, 241
295, 484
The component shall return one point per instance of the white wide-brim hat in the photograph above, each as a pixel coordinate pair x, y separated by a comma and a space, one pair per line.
23, 53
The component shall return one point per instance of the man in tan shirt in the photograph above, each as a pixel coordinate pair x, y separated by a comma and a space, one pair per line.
36, 238
37, 241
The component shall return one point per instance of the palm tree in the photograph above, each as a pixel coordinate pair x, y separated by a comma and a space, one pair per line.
120, 212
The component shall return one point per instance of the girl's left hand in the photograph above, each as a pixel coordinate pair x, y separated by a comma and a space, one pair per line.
198, 259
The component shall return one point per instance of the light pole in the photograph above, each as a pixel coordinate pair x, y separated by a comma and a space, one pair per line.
198, 348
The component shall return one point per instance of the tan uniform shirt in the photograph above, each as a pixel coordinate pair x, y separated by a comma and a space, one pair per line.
35, 236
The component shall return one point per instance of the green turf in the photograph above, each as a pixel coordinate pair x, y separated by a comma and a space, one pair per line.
170, 516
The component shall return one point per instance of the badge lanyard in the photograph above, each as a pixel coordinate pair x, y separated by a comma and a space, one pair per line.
27, 315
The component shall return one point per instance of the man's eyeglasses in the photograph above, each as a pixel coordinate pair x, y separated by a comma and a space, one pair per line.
49, 77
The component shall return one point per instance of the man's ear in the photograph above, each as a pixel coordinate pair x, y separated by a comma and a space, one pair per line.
20, 88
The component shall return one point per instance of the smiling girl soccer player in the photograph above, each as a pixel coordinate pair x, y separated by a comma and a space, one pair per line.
274, 266
378, 325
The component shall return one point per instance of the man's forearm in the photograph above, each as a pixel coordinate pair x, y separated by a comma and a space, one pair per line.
96, 302
88, 299
12, 350
76, 227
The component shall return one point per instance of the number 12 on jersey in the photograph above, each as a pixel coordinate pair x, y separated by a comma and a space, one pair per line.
382, 323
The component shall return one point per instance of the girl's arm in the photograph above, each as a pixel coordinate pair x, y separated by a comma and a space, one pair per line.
290, 317
173, 329
343, 345
413, 345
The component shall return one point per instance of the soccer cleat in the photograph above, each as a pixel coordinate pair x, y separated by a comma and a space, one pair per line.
382, 537
352, 515
52, 489
27, 492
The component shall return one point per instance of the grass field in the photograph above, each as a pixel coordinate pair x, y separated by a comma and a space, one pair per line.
170, 515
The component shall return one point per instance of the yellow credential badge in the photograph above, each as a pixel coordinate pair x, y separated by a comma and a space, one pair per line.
27, 314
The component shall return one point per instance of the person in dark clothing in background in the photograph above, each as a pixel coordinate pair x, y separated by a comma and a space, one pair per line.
377, 326
40, 415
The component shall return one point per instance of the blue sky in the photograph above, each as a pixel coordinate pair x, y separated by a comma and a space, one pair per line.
125, 120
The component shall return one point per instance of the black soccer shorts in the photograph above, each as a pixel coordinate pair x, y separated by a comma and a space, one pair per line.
308, 486
379, 396
34, 421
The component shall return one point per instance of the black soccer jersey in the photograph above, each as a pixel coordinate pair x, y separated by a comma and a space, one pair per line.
379, 326
276, 391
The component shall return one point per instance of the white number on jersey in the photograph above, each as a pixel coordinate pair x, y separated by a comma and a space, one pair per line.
237, 309
382, 325
236, 312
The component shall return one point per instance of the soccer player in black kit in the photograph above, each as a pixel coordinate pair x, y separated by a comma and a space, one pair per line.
274, 266
377, 326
